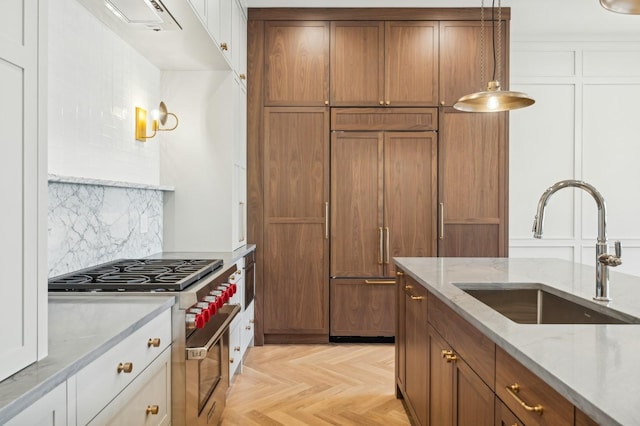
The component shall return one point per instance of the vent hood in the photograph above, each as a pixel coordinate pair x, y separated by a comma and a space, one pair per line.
142, 15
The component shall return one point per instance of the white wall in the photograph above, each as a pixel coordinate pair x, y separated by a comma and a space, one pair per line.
584, 125
95, 82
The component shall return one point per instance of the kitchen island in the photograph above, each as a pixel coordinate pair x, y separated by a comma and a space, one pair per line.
594, 366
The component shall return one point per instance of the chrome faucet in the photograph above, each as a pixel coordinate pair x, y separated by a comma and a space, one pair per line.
603, 259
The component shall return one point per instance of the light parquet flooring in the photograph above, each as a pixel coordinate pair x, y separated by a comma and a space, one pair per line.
332, 384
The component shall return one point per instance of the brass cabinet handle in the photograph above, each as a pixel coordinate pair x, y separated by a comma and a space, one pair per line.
326, 220
224, 46
513, 391
153, 342
127, 367
449, 355
385, 282
248, 327
407, 289
243, 76
386, 230
231, 360
381, 102
399, 273
387, 103
381, 248
326, 102
152, 409
442, 221
236, 348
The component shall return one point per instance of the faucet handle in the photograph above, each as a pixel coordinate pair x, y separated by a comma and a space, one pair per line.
618, 248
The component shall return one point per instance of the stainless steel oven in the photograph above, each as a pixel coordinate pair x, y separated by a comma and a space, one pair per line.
249, 278
206, 369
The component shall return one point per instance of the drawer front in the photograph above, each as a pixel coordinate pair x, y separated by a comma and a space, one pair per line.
247, 328
146, 401
477, 350
532, 392
369, 119
235, 349
99, 382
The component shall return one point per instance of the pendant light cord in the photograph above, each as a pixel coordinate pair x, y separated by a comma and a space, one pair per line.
493, 36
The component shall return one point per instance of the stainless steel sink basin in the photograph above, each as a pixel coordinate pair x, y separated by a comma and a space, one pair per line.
536, 305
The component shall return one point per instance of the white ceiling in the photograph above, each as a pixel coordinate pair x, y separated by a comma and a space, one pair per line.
529, 18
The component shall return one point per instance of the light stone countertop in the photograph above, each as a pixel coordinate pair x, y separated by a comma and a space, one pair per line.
596, 367
81, 328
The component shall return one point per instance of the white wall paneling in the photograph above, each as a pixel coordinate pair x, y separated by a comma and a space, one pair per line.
583, 126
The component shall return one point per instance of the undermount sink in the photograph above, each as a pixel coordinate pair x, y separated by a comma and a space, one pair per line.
533, 304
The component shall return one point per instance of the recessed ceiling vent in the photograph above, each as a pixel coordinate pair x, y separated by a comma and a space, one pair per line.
144, 14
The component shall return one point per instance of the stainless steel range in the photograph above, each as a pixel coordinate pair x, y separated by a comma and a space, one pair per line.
205, 306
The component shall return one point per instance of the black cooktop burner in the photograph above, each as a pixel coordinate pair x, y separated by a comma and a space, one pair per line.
137, 275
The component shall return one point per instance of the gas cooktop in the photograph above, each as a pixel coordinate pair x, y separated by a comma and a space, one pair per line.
136, 275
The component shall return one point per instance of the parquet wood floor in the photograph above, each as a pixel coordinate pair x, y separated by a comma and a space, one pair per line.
334, 384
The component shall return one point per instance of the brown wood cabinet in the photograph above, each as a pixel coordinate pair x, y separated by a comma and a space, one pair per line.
296, 63
406, 181
296, 285
461, 66
384, 63
416, 360
504, 416
473, 157
374, 176
457, 394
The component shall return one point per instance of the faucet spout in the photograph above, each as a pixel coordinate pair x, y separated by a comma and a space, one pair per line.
603, 260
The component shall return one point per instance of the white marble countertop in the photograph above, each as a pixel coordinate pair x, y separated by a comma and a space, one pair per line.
81, 328
596, 367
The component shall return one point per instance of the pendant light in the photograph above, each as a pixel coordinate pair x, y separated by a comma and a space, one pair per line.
493, 99
631, 7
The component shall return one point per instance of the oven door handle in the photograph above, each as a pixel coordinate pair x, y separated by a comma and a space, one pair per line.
200, 352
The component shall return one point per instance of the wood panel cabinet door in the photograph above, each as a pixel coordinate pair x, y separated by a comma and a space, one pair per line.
401, 326
362, 307
357, 63
411, 63
505, 417
356, 204
296, 69
457, 394
417, 351
410, 196
473, 195
296, 263
462, 68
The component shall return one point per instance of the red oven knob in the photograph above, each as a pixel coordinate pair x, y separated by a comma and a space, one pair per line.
213, 304
230, 288
202, 316
206, 306
219, 295
224, 293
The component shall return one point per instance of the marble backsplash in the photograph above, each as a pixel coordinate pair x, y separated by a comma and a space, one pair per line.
91, 224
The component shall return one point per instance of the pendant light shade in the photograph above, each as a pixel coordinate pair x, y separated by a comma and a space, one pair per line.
631, 7
493, 99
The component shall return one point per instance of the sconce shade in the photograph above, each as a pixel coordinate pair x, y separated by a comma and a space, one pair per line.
159, 120
631, 7
493, 100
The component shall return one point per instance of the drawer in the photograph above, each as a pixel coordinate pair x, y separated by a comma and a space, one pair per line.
247, 328
476, 349
99, 382
146, 401
370, 119
235, 349
532, 393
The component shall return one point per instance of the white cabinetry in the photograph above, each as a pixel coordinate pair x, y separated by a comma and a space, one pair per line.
51, 409
121, 367
23, 185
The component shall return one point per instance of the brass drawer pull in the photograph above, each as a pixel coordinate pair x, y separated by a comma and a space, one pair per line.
231, 360
248, 327
153, 342
386, 282
224, 46
381, 248
127, 367
399, 273
407, 289
513, 390
152, 409
449, 355
386, 231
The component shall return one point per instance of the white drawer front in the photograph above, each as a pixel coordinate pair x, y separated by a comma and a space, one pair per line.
99, 382
247, 328
235, 354
146, 401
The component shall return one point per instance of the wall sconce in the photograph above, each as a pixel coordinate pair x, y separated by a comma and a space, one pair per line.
631, 7
158, 119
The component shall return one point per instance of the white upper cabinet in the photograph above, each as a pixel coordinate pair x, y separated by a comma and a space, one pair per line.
219, 24
22, 188
239, 41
